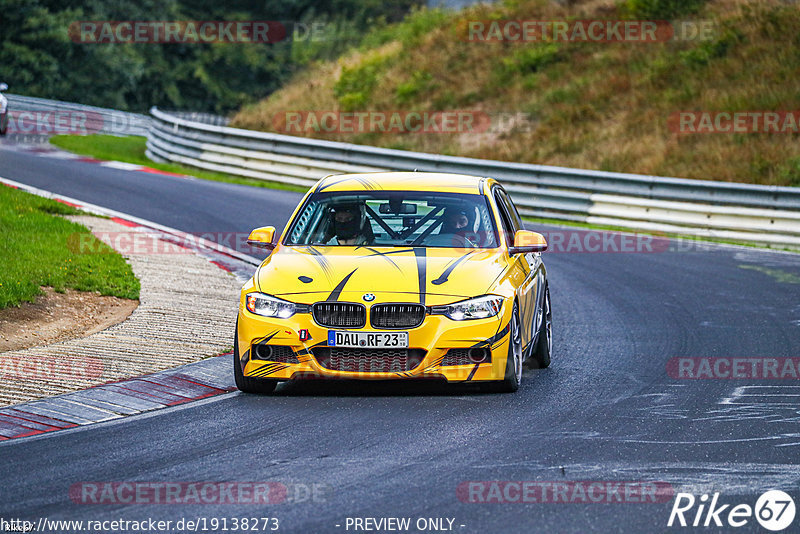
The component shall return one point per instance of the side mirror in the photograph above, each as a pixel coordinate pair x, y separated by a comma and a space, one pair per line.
262, 237
3, 87
526, 241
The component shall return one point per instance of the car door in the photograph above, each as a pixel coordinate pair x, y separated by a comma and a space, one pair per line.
527, 264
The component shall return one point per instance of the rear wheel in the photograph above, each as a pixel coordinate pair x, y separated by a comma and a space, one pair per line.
246, 384
544, 343
513, 375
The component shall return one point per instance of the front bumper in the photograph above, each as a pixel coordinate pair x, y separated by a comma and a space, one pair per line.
435, 336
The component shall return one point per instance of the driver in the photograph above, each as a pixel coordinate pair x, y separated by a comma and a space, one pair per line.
455, 221
350, 224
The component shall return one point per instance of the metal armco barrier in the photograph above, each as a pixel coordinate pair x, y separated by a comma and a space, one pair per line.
767, 215
97, 120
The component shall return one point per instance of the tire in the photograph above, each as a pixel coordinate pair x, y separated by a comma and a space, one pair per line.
3, 123
513, 375
544, 343
245, 384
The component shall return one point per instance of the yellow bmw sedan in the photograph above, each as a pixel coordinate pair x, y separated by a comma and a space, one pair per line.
399, 275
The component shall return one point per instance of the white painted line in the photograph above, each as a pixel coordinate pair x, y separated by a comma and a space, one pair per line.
121, 165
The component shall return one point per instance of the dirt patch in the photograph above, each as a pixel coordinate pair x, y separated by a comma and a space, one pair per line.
59, 317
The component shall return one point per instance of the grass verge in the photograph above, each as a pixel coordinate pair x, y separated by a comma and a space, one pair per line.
38, 250
131, 150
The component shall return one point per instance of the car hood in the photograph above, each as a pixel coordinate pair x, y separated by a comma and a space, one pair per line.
431, 276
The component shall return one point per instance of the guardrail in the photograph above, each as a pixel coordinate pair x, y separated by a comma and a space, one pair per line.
767, 215
97, 120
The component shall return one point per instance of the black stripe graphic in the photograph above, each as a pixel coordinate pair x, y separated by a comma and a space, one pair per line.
326, 185
384, 256
268, 370
472, 373
379, 253
443, 277
422, 262
265, 338
322, 261
334, 296
304, 351
492, 340
261, 370
434, 364
246, 356
367, 183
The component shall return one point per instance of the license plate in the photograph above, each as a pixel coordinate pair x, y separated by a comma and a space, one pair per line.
367, 340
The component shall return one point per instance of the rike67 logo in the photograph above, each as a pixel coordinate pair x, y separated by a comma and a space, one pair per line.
774, 510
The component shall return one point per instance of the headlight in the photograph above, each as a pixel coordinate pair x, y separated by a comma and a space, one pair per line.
262, 304
477, 308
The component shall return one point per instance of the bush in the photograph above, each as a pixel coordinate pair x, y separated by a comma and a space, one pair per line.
354, 87
705, 52
661, 9
419, 82
416, 25
529, 60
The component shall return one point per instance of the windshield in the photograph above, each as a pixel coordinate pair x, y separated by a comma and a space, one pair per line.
394, 218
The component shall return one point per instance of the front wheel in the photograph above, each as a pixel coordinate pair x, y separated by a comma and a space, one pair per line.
544, 343
513, 375
245, 384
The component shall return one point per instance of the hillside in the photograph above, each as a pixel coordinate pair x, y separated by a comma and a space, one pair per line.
573, 102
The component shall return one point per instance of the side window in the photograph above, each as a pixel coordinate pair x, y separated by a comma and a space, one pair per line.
516, 220
508, 226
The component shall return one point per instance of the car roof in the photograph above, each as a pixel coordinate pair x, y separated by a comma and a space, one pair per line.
402, 181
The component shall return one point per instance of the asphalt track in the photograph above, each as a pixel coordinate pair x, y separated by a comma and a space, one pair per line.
607, 410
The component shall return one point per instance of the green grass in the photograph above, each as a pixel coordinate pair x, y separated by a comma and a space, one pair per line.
40, 249
131, 150
108, 147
